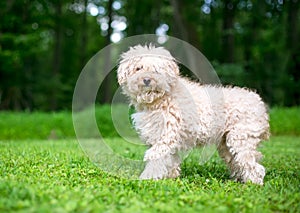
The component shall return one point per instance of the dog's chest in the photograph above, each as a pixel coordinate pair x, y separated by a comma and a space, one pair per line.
149, 125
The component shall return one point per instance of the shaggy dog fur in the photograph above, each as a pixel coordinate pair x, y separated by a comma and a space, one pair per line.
175, 114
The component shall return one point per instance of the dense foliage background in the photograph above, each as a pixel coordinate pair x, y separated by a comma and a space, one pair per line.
44, 44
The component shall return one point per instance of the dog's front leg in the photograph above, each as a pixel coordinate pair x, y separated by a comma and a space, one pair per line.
162, 159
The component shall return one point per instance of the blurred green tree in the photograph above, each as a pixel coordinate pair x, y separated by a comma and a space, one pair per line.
44, 44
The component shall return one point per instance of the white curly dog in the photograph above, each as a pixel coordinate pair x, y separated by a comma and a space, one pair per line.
175, 114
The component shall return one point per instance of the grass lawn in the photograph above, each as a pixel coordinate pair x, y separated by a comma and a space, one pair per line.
56, 176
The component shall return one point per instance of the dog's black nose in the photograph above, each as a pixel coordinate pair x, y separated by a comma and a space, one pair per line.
147, 81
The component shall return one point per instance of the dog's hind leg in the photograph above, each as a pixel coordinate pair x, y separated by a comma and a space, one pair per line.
240, 154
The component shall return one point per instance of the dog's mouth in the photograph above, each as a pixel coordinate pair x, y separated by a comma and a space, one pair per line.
151, 91
149, 96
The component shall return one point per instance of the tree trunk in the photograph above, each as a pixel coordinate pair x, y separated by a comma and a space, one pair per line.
57, 54
228, 31
292, 43
184, 29
108, 81
83, 40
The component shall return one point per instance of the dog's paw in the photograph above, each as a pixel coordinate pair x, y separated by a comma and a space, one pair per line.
174, 173
147, 175
257, 175
254, 174
154, 170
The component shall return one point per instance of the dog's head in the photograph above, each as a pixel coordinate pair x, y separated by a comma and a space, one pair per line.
147, 73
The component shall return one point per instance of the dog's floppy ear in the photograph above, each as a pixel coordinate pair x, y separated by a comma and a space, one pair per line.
122, 72
172, 67
126, 60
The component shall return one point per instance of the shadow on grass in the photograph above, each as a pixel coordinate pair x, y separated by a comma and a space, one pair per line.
214, 168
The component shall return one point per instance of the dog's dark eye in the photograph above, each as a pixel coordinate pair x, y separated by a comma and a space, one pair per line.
139, 68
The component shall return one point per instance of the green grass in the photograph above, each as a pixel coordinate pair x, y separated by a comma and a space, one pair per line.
39, 125
285, 121
36, 125
43, 169
56, 176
